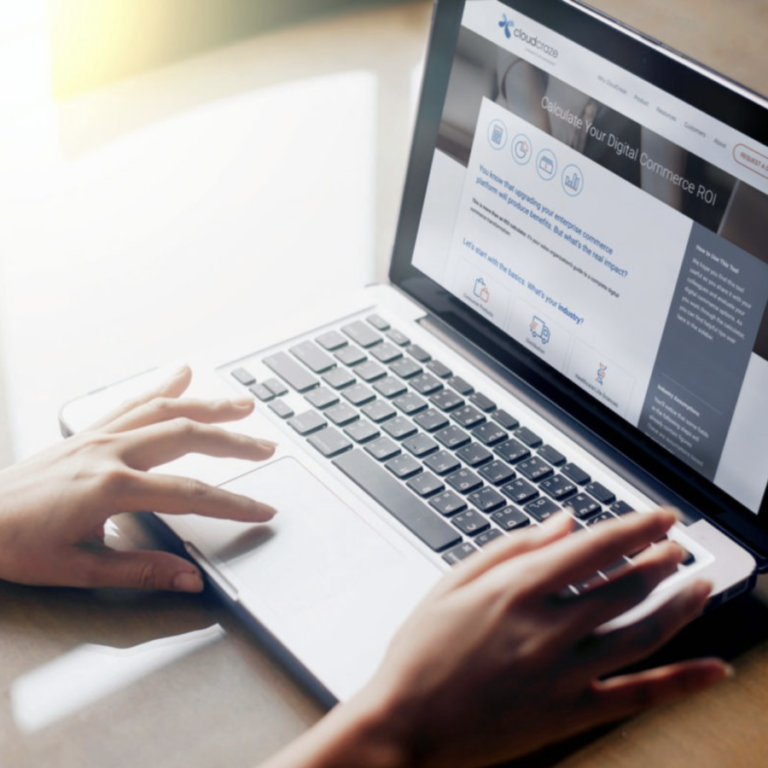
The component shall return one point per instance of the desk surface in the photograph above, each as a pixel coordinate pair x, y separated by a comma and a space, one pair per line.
121, 679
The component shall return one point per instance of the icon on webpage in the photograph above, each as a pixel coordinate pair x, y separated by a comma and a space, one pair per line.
546, 164
521, 149
540, 330
497, 134
481, 290
573, 180
601, 374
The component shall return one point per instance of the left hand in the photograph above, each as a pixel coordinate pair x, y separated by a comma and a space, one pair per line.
53, 506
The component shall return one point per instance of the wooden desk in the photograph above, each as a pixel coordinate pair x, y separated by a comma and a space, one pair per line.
115, 679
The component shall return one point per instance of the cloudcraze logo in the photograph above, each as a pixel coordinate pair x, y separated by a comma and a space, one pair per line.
507, 25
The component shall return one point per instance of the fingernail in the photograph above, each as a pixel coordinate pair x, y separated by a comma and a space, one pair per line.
242, 402
267, 445
730, 671
700, 590
188, 581
180, 372
267, 512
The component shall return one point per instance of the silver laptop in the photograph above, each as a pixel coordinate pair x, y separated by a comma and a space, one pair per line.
574, 320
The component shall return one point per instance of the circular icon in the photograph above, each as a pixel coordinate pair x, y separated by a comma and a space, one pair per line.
573, 180
497, 134
522, 149
546, 164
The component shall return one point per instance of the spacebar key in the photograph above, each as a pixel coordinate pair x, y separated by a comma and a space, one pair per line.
397, 500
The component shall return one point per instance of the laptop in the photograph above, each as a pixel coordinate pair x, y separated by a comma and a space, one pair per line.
575, 319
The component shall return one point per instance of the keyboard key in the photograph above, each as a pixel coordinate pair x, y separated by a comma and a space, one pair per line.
529, 438
383, 449
601, 518
512, 451
276, 387
461, 386
341, 415
405, 368
621, 508
420, 445
471, 523
396, 337
497, 473
489, 434
577, 474
535, 469
601, 493
457, 554
331, 341
474, 455
281, 408
308, 422
483, 402
400, 503
446, 400
464, 481
484, 539
416, 352
410, 404
443, 463
379, 411
361, 334
321, 398
505, 420
425, 384
542, 508
520, 491
378, 322
291, 372
399, 428
440, 370
350, 355
244, 377
554, 457
338, 378
431, 420
358, 394
487, 499
260, 392
329, 442
403, 467
370, 371
510, 519
468, 417
448, 503
312, 356
386, 353
361, 431
583, 506
452, 437
390, 387
559, 488
426, 484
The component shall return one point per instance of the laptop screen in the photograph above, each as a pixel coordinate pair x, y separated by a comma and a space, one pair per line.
613, 231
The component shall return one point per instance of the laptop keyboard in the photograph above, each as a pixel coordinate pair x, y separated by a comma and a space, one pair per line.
437, 454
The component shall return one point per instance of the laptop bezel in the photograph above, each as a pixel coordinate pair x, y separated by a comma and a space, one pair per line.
699, 86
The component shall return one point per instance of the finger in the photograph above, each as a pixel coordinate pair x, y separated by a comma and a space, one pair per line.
514, 545
576, 558
133, 570
628, 588
602, 654
175, 386
161, 409
624, 696
160, 443
186, 496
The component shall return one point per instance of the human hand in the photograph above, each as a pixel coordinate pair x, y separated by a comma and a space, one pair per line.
53, 506
497, 662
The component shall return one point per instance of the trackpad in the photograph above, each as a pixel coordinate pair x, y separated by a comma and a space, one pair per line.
315, 549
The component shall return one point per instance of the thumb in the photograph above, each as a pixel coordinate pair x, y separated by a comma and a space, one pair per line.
135, 570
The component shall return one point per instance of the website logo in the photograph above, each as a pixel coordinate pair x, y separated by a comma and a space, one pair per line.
506, 24
601, 374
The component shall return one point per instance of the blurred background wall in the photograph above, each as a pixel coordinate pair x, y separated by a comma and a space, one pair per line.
94, 42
